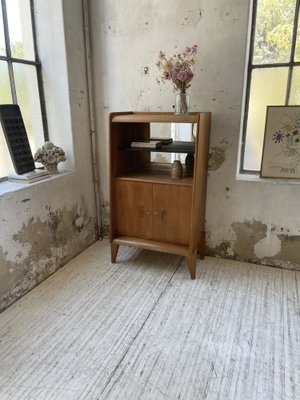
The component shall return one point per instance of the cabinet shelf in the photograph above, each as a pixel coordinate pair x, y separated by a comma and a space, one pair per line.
174, 147
157, 173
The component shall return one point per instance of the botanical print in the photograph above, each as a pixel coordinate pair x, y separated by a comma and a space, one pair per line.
281, 154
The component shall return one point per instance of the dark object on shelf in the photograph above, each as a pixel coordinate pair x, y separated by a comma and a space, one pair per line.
189, 162
145, 144
175, 147
164, 140
16, 138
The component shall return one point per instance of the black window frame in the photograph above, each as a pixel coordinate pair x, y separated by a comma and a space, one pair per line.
250, 67
35, 63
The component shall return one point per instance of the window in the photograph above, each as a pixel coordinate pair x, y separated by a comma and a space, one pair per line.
20, 74
273, 76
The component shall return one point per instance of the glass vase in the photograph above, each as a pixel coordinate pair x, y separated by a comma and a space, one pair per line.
182, 103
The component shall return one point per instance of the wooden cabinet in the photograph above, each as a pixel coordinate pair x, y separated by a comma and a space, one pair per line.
133, 209
149, 209
153, 211
171, 213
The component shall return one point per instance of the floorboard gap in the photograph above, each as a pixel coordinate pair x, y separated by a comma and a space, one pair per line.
142, 326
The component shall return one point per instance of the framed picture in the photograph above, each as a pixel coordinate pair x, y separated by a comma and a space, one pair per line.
281, 149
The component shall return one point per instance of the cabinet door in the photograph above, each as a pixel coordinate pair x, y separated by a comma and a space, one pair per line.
133, 208
172, 205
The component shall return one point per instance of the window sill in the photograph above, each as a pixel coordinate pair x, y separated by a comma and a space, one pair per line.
272, 181
9, 187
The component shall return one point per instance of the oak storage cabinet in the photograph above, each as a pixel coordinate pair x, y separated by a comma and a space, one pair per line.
149, 209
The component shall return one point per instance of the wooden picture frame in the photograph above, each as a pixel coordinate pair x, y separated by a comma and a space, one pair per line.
281, 148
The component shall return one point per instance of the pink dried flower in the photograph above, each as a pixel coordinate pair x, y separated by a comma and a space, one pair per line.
178, 68
185, 76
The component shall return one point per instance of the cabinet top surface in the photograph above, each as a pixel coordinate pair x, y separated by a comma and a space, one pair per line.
192, 117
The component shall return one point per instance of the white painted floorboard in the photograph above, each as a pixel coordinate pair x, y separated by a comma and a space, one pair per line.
141, 329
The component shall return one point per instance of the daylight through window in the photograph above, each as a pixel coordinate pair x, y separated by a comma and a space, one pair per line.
20, 74
273, 76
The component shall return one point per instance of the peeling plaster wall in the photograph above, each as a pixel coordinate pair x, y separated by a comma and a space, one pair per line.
251, 221
46, 224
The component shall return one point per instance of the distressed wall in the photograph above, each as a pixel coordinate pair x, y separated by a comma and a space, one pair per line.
46, 224
252, 221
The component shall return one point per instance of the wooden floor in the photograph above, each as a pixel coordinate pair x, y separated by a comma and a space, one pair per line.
141, 329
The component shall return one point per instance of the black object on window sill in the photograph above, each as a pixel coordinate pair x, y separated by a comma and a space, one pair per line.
16, 138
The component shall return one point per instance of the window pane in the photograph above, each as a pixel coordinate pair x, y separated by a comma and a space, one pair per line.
2, 41
295, 88
29, 102
5, 92
297, 48
268, 87
6, 165
20, 29
273, 31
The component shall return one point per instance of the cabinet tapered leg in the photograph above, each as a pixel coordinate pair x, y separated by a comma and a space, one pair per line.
114, 251
191, 261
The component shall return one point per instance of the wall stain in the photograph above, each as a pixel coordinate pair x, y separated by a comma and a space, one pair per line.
193, 17
248, 233
105, 210
53, 242
8, 274
223, 141
222, 250
143, 26
5, 271
289, 252
216, 158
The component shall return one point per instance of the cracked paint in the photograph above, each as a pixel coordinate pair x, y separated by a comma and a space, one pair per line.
42, 246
